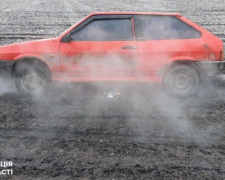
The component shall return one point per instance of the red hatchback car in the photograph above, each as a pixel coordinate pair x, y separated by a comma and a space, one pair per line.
122, 46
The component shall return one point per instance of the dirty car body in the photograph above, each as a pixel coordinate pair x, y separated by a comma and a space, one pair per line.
118, 46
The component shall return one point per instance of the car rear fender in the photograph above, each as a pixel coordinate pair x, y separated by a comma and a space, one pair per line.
184, 58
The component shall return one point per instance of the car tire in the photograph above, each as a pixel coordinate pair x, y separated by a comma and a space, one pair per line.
30, 80
181, 81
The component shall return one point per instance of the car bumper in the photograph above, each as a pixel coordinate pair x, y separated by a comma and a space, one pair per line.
211, 68
6, 68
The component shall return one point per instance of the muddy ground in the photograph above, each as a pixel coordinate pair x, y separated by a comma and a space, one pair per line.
74, 131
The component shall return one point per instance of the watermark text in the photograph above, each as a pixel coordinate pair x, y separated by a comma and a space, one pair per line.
6, 168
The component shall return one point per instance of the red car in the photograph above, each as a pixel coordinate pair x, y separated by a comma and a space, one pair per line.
121, 46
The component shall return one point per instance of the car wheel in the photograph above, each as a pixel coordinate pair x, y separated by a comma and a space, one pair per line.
181, 81
30, 80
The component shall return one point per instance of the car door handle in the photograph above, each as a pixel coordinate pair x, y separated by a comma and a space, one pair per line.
129, 47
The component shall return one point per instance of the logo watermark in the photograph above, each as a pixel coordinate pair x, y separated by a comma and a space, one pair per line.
6, 168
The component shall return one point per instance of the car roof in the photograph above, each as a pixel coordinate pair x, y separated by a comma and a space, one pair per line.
135, 13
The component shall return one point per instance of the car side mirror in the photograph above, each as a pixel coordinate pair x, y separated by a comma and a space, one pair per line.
67, 38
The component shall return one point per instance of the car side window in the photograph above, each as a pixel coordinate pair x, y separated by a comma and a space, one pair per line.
156, 27
105, 30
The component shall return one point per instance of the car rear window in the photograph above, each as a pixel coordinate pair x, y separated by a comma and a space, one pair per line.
163, 28
106, 30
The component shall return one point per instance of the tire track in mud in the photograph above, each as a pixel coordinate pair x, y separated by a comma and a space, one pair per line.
68, 133
81, 6
18, 5
23, 36
35, 26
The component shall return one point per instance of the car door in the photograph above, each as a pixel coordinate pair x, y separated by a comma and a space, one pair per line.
102, 46
163, 39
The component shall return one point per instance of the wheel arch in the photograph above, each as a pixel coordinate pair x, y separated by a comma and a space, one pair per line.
32, 60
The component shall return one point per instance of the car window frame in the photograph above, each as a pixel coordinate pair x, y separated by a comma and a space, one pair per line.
139, 39
103, 17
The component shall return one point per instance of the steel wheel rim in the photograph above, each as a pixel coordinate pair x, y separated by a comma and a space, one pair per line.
33, 81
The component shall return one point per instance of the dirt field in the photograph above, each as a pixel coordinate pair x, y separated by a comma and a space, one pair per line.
74, 132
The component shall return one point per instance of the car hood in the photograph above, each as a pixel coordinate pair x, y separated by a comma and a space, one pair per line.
10, 52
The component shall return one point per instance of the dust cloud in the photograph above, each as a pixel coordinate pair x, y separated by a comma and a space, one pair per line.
86, 130
139, 108
7, 86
